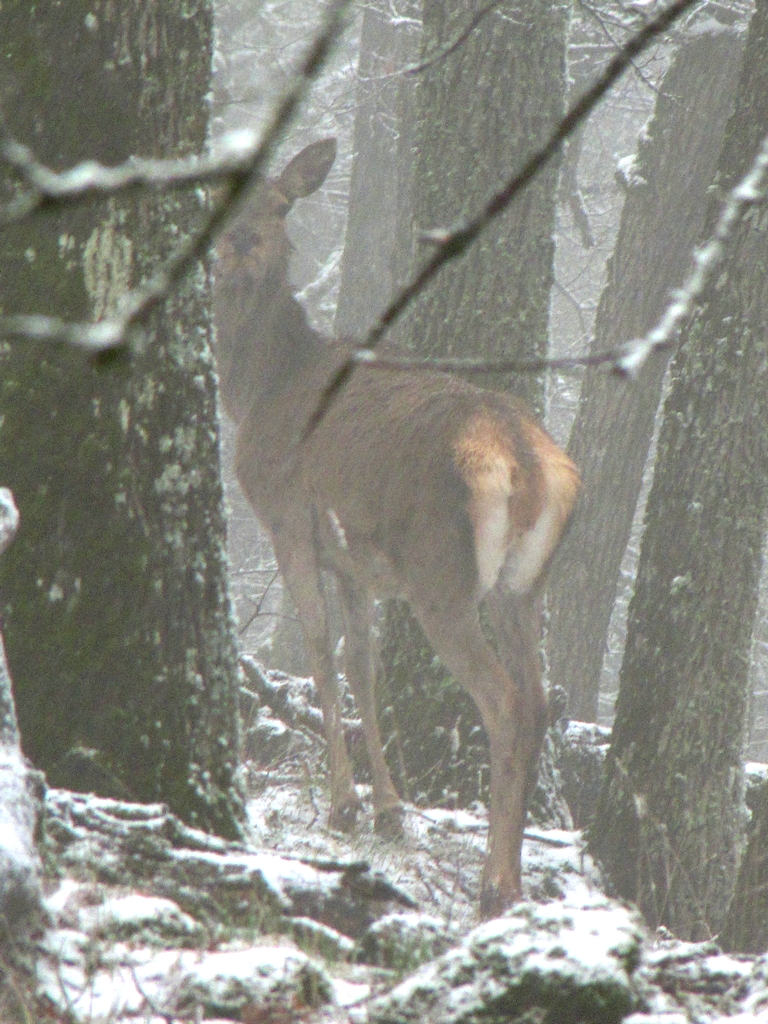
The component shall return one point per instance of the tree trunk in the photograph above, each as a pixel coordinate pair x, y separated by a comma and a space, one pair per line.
746, 927
114, 596
20, 800
378, 243
480, 109
662, 218
670, 822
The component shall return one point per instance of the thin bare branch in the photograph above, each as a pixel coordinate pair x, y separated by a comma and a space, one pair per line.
260, 603
600, 20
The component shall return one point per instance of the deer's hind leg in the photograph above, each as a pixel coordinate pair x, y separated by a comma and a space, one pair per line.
298, 563
513, 710
357, 608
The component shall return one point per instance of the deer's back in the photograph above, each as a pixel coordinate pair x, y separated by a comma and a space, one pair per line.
413, 476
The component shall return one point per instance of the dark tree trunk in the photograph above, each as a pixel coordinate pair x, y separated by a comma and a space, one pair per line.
746, 927
480, 111
21, 798
114, 596
670, 822
662, 218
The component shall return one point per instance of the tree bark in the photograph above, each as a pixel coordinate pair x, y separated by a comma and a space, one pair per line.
20, 797
670, 822
662, 217
114, 596
746, 926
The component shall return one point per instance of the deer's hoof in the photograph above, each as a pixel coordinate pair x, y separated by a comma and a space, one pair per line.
389, 823
343, 818
495, 899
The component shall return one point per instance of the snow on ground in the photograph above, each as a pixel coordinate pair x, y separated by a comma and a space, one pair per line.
117, 954
438, 863
152, 921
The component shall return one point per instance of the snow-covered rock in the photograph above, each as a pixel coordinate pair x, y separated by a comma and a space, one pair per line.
404, 941
696, 978
226, 984
119, 843
572, 963
120, 916
582, 747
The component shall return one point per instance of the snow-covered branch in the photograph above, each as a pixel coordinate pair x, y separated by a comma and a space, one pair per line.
44, 187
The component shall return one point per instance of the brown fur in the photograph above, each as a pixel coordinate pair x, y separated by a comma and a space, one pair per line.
417, 484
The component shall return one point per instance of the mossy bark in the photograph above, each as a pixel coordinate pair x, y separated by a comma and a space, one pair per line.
114, 596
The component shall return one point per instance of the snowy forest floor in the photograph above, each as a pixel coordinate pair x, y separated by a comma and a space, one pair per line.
155, 922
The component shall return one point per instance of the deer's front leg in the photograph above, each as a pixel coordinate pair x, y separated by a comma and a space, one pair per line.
298, 564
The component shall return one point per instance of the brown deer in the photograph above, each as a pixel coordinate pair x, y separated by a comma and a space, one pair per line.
412, 483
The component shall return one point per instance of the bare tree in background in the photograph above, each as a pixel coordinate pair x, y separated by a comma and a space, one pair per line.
382, 171
114, 594
662, 217
670, 823
258, 47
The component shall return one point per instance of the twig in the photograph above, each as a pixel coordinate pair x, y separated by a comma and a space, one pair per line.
167, 1017
612, 41
262, 599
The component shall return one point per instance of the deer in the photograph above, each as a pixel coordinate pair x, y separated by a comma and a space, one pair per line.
415, 484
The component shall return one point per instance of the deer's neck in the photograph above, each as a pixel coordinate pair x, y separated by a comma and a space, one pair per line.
266, 346
286, 345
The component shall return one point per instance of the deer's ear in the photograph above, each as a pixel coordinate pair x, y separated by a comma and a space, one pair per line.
308, 169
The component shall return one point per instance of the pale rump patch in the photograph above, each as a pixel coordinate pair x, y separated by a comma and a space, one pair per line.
528, 557
489, 510
499, 545
530, 553
517, 516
